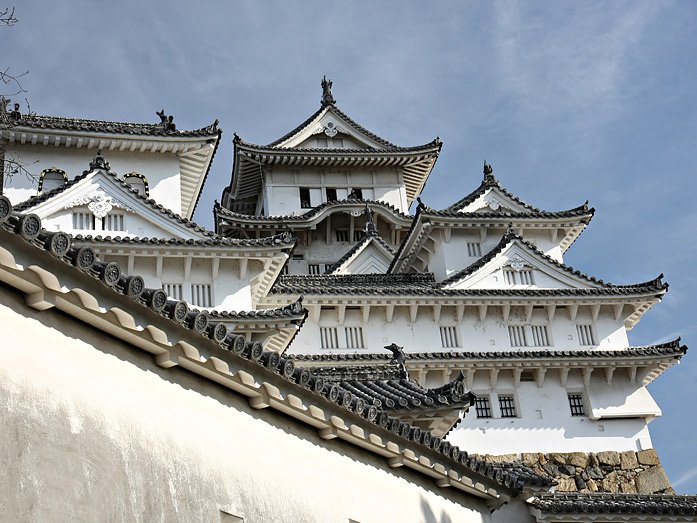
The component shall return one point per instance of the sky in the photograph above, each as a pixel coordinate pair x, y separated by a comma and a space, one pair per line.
569, 101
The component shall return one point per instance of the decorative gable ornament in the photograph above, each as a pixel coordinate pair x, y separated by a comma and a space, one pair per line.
493, 204
516, 263
330, 129
99, 204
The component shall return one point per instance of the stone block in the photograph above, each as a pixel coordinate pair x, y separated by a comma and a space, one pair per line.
500, 458
648, 457
557, 457
577, 459
567, 469
593, 460
652, 480
609, 457
550, 469
611, 483
592, 485
580, 484
628, 460
529, 458
627, 488
566, 485
595, 472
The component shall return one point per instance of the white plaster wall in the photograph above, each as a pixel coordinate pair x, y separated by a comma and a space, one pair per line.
105, 435
490, 335
161, 170
545, 423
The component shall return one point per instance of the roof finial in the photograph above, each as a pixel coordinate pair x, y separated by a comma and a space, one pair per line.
98, 163
166, 121
399, 358
327, 98
369, 224
488, 169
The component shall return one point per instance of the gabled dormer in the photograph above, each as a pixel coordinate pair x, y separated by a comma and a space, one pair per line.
328, 157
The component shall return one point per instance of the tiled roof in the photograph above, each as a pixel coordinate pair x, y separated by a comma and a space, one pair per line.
84, 260
671, 348
423, 284
341, 151
104, 126
278, 239
36, 200
293, 310
489, 182
645, 504
581, 210
367, 237
509, 237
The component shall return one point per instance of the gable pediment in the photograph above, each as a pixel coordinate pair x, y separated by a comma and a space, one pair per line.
494, 200
518, 265
368, 257
100, 193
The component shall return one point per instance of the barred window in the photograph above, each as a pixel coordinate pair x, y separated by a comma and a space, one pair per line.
113, 222
342, 235
328, 337
313, 268
585, 334
507, 406
449, 337
482, 405
521, 277
474, 249
201, 295
576, 404
357, 235
354, 337
540, 335
517, 336
83, 221
328, 266
173, 290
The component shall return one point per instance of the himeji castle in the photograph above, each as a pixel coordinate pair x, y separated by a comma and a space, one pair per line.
331, 321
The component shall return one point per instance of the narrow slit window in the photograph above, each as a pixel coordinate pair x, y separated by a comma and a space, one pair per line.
507, 406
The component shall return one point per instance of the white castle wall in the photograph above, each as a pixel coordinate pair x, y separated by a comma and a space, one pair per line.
160, 169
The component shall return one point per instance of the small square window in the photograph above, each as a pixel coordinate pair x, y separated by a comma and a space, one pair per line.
356, 194
482, 406
576, 404
331, 195
507, 406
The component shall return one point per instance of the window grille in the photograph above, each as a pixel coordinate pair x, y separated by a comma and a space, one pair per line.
328, 337
516, 334
342, 235
305, 202
113, 222
83, 221
173, 290
331, 195
521, 277
357, 235
474, 249
540, 335
449, 337
313, 268
201, 295
576, 404
507, 406
482, 405
328, 266
585, 334
354, 337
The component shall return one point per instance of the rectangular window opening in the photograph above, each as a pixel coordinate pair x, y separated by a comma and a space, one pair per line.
448, 337
173, 290
83, 221
201, 295
331, 195
576, 404
516, 335
521, 277
313, 268
305, 202
354, 337
328, 337
507, 406
482, 406
540, 335
585, 334
342, 235
474, 249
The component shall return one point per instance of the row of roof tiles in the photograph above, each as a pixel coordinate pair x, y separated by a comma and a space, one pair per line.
645, 504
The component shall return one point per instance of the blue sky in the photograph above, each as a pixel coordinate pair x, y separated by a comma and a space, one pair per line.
567, 100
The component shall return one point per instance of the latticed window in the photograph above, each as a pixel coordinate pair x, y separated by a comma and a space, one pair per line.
474, 249
540, 335
201, 295
585, 334
482, 405
113, 222
173, 290
313, 268
342, 235
328, 337
576, 404
354, 337
449, 337
83, 221
521, 277
357, 235
517, 336
507, 406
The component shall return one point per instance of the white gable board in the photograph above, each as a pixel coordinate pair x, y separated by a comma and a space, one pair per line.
495, 200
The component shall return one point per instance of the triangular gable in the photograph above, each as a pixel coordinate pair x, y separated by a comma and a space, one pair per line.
371, 255
496, 200
330, 123
100, 192
515, 263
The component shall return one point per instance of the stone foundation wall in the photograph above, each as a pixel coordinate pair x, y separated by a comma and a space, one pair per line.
611, 471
